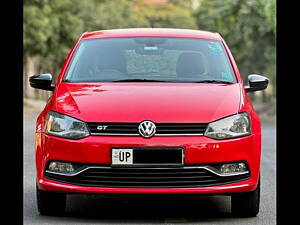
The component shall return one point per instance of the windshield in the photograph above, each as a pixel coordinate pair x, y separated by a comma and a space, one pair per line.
152, 59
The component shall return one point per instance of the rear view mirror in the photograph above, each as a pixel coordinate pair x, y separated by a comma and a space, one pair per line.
42, 81
149, 50
256, 83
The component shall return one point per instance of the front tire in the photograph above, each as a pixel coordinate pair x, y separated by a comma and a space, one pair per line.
246, 204
51, 203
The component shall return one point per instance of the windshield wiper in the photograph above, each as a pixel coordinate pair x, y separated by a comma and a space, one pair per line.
138, 80
214, 81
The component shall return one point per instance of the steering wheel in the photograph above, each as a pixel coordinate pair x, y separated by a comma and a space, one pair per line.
109, 71
95, 72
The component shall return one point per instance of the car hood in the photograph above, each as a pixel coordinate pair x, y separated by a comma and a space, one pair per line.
158, 102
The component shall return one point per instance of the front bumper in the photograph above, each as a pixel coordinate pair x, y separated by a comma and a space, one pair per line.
198, 150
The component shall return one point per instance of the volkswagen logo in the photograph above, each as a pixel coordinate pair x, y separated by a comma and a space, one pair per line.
147, 129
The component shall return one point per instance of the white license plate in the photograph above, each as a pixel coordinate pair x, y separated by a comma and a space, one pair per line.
122, 157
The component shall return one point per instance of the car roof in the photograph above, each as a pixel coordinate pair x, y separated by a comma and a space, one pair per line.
151, 32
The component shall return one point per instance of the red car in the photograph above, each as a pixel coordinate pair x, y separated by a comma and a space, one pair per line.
149, 111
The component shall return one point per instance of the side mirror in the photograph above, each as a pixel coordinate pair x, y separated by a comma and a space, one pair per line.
42, 81
256, 83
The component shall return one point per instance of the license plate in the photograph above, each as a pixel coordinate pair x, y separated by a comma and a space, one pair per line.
122, 156
147, 156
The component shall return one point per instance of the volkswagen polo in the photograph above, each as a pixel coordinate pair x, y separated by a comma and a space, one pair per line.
149, 111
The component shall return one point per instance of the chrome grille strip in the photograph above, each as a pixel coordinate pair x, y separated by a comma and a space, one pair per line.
208, 168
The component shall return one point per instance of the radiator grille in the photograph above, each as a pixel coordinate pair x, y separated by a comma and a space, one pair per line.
146, 177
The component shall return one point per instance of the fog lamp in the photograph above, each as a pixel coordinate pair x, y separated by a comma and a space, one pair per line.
61, 167
233, 168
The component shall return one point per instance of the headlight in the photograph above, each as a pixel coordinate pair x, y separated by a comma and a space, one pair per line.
65, 126
230, 127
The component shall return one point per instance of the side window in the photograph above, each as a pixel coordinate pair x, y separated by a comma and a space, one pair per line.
54, 79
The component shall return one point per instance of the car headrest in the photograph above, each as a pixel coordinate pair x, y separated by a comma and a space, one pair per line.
190, 64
